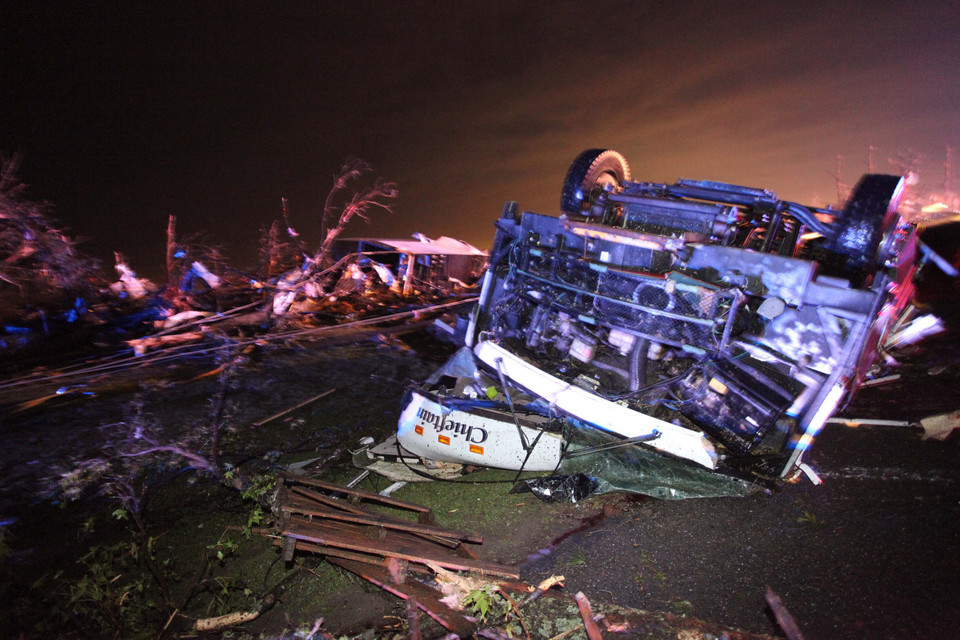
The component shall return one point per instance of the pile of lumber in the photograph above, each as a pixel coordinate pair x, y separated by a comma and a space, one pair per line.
377, 538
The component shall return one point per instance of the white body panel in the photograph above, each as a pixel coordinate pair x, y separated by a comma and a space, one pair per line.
609, 416
430, 430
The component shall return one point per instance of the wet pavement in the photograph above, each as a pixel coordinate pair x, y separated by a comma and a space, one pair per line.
873, 552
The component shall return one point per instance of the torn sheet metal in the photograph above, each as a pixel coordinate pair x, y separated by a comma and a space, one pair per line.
458, 415
129, 285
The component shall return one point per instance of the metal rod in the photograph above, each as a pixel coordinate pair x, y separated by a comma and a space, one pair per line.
653, 435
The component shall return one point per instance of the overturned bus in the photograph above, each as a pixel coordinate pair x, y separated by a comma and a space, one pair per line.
710, 323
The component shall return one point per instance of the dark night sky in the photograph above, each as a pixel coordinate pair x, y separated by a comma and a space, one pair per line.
124, 113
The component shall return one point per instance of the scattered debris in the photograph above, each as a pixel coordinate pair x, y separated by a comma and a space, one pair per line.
296, 407
142, 345
219, 623
911, 328
432, 568
327, 519
129, 285
559, 488
872, 422
812, 475
184, 316
940, 427
443, 265
391, 460
38, 261
876, 382
97, 374
589, 624
313, 518
427, 599
45, 285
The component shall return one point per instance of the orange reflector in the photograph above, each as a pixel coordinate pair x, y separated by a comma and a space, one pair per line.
443, 439
475, 449
419, 430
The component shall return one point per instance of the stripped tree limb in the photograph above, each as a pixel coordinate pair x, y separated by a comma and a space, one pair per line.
586, 614
784, 619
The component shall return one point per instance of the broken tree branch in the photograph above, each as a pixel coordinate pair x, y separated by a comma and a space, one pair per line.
200, 461
586, 614
260, 423
359, 205
352, 169
228, 620
516, 612
784, 619
564, 634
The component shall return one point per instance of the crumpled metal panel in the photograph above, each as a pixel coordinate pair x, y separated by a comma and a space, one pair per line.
783, 277
803, 336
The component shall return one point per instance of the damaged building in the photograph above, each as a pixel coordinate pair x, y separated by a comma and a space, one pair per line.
444, 265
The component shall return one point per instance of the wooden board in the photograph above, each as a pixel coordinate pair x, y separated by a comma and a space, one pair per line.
396, 544
378, 520
425, 514
426, 598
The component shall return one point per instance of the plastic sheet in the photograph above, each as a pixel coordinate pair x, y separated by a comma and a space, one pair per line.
460, 365
638, 469
572, 488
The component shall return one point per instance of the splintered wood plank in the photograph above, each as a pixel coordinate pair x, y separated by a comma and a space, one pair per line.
427, 599
303, 500
398, 545
293, 505
289, 547
322, 499
333, 551
425, 513
380, 520
377, 560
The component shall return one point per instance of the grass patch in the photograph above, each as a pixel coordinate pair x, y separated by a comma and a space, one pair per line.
578, 558
682, 607
481, 501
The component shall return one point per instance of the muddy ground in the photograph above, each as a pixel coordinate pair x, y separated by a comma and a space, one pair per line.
873, 552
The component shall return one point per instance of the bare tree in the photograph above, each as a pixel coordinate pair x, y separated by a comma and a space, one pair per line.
338, 212
354, 194
275, 256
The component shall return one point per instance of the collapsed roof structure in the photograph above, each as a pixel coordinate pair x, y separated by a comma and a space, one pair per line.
423, 262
